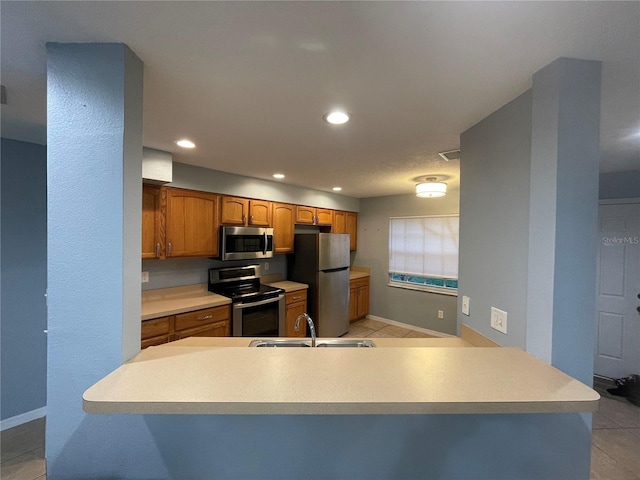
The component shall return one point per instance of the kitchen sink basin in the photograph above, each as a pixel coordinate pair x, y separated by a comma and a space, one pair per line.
345, 342
286, 342
280, 342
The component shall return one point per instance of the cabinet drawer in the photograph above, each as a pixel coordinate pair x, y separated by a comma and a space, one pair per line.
297, 296
359, 282
155, 327
201, 317
221, 328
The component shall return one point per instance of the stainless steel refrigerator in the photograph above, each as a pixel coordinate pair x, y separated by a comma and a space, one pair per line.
321, 260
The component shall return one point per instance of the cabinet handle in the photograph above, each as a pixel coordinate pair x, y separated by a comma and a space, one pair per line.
157, 250
297, 298
244, 219
205, 317
250, 219
169, 250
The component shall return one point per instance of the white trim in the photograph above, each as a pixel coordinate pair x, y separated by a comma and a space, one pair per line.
22, 418
410, 327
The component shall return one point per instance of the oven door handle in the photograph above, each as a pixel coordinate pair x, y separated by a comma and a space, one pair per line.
240, 306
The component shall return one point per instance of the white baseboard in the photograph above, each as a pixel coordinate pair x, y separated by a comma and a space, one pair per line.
411, 327
22, 418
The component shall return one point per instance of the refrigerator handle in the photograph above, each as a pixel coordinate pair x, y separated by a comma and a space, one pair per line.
335, 269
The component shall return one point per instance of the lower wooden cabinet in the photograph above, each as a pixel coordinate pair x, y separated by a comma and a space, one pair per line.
208, 322
358, 298
296, 304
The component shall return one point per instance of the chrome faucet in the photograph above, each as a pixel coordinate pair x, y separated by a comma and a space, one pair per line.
296, 327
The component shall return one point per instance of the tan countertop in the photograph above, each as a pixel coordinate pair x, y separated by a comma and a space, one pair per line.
354, 274
197, 378
171, 301
288, 286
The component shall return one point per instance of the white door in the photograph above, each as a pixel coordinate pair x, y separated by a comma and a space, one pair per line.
618, 318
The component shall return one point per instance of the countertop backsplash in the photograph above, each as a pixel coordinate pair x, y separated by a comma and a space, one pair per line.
176, 272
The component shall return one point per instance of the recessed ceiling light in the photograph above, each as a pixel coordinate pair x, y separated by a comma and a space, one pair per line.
336, 117
337, 189
184, 143
278, 175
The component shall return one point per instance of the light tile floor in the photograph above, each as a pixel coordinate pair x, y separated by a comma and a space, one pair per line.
615, 442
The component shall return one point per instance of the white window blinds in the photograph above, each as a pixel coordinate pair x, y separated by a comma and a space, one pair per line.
424, 246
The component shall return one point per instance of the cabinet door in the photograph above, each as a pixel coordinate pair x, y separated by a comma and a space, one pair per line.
292, 312
363, 301
191, 224
353, 302
339, 222
156, 327
152, 222
305, 215
324, 216
234, 211
352, 229
159, 340
283, 227
217, 329
260, 213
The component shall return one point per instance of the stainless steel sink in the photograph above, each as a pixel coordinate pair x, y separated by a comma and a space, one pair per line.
287, 342
346, 342
280, 342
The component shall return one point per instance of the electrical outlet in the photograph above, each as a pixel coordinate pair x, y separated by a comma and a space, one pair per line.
466, 303
145, 277
440, 314
266, 266
499, 320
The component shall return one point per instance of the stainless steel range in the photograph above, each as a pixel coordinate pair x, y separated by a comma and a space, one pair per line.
258, 310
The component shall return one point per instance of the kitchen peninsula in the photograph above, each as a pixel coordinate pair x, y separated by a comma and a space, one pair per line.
225, 376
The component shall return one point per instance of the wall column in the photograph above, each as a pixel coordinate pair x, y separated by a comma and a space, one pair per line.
94, 164
565, 155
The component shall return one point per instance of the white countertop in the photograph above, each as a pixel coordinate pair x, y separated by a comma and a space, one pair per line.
196, 378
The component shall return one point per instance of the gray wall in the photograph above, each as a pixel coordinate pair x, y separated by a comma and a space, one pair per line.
399, 304
494, 215
23, 278
528, 215
198, 178
620, 184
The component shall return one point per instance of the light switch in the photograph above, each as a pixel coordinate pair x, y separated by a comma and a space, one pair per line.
466, 301
145, 277
499, 320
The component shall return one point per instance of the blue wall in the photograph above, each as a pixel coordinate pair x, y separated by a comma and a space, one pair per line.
23, 278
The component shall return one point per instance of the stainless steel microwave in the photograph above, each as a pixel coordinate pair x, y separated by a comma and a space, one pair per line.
245, 243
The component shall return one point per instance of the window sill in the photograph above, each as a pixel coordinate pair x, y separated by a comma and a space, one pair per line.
424, 288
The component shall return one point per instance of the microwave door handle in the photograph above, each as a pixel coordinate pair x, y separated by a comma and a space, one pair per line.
264, 252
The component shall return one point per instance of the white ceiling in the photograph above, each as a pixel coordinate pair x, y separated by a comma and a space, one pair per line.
249, 82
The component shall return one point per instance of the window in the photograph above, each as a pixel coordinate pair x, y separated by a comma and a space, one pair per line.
423, 253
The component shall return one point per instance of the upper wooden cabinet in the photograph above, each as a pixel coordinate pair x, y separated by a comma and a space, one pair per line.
191, 223
243, 211
346, 222
153, 201
352, 229
283, 227
313, 216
